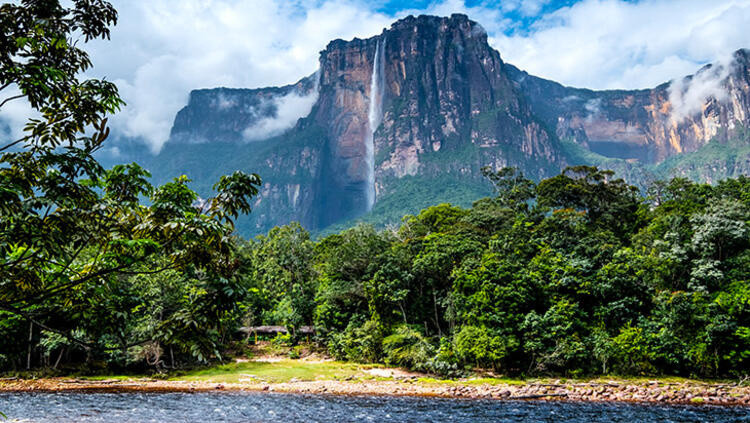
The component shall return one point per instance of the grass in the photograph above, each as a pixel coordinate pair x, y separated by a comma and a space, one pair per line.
111, 377
275, 372
287, 369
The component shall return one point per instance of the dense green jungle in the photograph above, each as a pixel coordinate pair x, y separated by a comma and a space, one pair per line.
577, 274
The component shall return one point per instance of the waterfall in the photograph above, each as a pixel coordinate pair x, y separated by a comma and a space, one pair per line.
374, 115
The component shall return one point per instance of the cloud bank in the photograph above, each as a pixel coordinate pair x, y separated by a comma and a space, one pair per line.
288, 109
163, 49
688, 95
609, 44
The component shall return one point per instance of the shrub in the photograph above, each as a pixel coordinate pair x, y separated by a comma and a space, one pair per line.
632, 353
296, 352
362, 343
282, 340
407, 347
445, 363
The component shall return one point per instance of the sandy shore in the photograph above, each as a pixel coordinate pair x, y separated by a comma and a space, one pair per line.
616, 390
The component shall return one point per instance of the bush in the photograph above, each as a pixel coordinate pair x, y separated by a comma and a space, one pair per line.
445, 363
296, 352
281, 341
363, 344
632, 353
407, 347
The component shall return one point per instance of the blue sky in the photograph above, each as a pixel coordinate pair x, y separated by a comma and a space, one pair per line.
541, 6
521, 13
162, 49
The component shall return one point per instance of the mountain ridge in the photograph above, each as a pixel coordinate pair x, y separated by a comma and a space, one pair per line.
444, 115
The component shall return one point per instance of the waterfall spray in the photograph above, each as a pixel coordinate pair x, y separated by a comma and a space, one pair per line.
374, 115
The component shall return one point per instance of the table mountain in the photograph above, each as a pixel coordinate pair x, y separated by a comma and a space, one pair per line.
406, 119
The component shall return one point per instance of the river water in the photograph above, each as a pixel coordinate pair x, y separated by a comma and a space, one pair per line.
273, 407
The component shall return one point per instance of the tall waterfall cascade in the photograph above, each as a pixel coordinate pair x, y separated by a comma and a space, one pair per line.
375, 116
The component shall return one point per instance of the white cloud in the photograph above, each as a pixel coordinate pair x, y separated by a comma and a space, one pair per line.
15, 114
688, 95
593, 106
162, 49
527, 7
606, 44
289, 108
223, 102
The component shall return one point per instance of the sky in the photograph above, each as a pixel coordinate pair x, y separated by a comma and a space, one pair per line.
162, 49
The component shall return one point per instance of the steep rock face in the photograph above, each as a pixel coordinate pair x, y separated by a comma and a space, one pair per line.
647, 125
289, 190
236, 114
446, 92
345, 75
225, 129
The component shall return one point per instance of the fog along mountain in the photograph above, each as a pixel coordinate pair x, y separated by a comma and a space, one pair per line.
406, 119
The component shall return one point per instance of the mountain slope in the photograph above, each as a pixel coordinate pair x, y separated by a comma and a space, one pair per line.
648, 125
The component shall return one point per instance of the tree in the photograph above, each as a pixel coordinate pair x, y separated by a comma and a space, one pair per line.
282, 268
66, 224
512, 188
608, 202
346, 265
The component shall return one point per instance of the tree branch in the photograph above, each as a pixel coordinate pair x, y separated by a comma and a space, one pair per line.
15, 97
67, 335
20, 140
59, 288
150, 272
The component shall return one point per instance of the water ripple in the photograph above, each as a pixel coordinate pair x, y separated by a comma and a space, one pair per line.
267, 407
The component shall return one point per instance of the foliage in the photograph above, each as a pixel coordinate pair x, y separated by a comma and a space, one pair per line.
94, 272
406, 347
574, 274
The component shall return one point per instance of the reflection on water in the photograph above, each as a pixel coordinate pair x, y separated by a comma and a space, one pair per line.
267, 407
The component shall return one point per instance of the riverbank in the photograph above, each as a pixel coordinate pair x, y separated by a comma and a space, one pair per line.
335, 378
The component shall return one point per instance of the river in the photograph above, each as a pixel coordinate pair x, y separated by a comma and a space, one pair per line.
273, 407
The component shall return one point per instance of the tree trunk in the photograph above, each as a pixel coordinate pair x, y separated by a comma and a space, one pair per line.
58, 358
31, 338
437, 320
